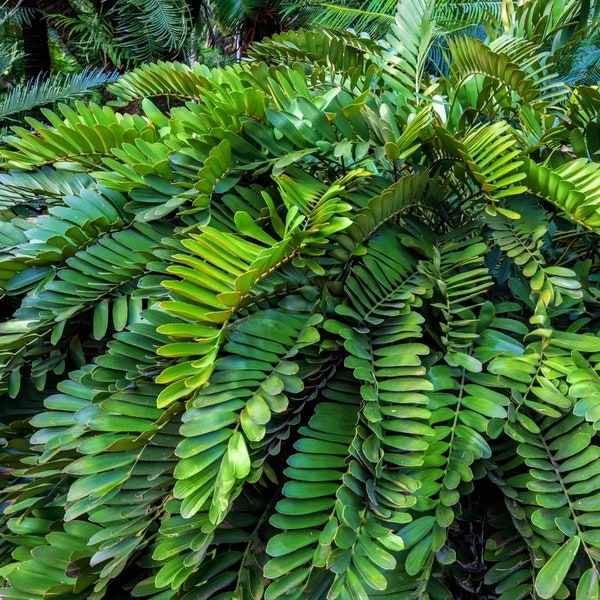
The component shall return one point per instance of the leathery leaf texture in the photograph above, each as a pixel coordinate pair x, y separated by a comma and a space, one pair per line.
326, 327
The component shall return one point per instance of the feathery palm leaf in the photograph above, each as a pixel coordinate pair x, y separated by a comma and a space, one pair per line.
16, 13
146, 29
230, 14
374, 16
296, 335
41, 92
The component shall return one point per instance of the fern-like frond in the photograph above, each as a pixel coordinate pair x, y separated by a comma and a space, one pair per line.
512, 550
159, 78
222, 272
92, 130
560, 490
148, 27
410, 191
345, 53
97, 277
488, 153
519, 234
40, 187
55, 88
409, 39
225, 424
372, 16
58, 226
459, 389
548, 462
116, 490
573, 187
511, 62
217, 275
328, 539
93, 34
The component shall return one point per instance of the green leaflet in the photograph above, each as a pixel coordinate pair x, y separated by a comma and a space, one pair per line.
563, 188
341, 519
323, 325
588, 585
552, 574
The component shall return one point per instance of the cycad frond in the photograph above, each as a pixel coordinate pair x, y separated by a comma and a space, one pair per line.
147, 28
558, 466
55, 88
372, 16
410, 39
573, 187
454, 17
230, 14
294, 332
344, 52
514, 63
20, 15
543, 22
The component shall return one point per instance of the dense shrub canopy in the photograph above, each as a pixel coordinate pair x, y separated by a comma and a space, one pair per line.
326, 328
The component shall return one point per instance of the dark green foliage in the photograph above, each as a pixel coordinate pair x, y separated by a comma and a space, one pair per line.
326, 329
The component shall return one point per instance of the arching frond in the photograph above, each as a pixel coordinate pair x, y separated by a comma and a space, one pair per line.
373, 16
512, 62
410, 39
55, 88
573, 187
230, 14
345, 53
323, 326
149, 27
17, 13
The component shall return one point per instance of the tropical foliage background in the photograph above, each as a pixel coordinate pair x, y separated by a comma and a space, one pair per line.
323, 323
57, 50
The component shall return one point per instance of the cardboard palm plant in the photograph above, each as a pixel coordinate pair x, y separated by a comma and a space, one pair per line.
327, 329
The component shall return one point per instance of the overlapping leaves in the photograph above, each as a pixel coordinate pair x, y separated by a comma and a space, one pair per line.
285, 333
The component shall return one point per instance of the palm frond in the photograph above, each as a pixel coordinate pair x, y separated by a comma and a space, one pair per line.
372, 16
230, 14
93, 35
20, 15
41, 92
455, 17
148, 28
327, 328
